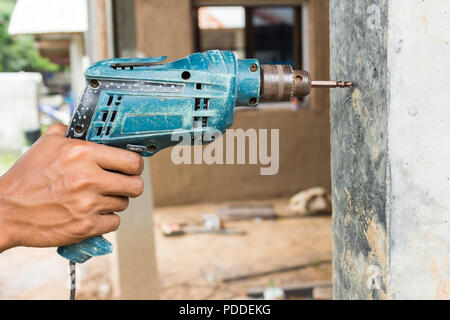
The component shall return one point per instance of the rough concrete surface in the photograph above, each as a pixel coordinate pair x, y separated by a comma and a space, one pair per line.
389, 162
359, 145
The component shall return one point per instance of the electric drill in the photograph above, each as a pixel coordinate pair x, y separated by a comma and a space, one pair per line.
138, 103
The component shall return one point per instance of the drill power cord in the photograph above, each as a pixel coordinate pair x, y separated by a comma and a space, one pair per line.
73, 278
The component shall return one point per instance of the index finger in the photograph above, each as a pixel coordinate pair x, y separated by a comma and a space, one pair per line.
115, 159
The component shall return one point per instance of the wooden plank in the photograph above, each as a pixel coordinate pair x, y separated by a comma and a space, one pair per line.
280, 269
323, 293
245, 212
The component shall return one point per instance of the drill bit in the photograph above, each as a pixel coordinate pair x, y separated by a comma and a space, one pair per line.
331, 84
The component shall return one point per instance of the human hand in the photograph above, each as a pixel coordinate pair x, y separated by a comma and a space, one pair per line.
62, 191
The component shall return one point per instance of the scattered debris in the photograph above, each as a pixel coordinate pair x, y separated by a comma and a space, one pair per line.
247, 212
211, 224
311, 201
273, 293
104, 290
171, 229
316, 290
323, 293
239, 277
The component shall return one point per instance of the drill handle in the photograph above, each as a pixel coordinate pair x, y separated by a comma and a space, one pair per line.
95, 246
86, 249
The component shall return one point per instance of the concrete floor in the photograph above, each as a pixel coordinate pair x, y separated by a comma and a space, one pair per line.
190, 266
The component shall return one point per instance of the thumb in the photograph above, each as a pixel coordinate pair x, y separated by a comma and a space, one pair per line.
56, 129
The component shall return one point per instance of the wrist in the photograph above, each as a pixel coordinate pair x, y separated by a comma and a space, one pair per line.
4, 241
5, 232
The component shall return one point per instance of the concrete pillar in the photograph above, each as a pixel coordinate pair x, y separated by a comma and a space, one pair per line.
96, 37
135, 273
77, 65
390, 154
125, 29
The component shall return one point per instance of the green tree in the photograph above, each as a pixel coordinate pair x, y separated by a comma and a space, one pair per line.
18, 53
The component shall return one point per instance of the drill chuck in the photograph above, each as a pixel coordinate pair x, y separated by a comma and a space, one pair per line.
281, 83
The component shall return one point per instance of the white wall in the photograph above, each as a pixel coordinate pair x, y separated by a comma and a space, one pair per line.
19, 105
419, 148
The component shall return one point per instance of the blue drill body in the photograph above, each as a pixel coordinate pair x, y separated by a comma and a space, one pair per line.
138, 104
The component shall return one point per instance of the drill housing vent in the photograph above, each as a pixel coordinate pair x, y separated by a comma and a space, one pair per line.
200, 104
107, 115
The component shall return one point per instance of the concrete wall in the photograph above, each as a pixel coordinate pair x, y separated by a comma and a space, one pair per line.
304, 135
164, 28
319, 51
19, 108
390, 172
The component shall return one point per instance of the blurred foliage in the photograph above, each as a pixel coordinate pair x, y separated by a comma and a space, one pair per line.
18, 54
6, 161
